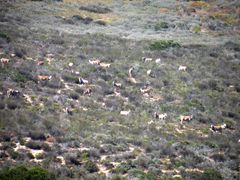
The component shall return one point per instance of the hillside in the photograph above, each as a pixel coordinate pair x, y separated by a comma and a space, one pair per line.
96, 89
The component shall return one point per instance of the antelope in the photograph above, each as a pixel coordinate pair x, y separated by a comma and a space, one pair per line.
12, 92
145, 59
130, 71
49, 58
69, 111
158, 60
44, 78
217, 128
82, 81
185, 118
145, 90
125, 113
50, 139
160, 116
88, 91
150, 122
118, 85
131, 78
97, 61
4, 61
116, 92
40, 63
149, 72
182, 68
49, 55
105, 65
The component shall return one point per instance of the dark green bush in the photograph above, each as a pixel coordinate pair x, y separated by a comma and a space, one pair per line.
22, 173
211, 174
161, 25
12, 105
35, 135
34, 145
118, 177
74, 96
142, 175
90, 166
4, 36
163, 44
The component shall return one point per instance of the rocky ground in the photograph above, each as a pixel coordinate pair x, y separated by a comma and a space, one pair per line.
81, 83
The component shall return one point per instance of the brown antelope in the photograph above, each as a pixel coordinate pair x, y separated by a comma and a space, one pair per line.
40, 63
158, 60
182, 68
97, 61
131, 78
69, 111
88, 91
51, 139
149, 72
14, 93
82, 81
50, 55
218, 128
125, 113
145, 59
44, 78
145, 90
160, 116
5, 61
185, 118
105, 65
118, 85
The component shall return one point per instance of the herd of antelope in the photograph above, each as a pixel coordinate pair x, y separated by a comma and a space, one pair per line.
144, 90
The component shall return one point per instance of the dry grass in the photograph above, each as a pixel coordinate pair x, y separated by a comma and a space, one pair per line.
85, 2
199, 4
69, 11
225, 17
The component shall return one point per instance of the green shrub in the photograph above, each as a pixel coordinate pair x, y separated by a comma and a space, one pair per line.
161, 25
37, 173
179, 163
142, 175
163, 44
22, 173
34, 145
118, 177
91, 166
74, 96
123, 168
196, 29
211, 174
4, 36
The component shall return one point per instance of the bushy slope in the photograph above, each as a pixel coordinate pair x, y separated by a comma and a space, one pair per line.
58, 125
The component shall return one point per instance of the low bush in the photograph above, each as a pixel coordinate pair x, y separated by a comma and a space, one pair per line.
163, 44
23, 173
34, 145
90, 166
20, 52
74, 96
34, 135
12, 105
4, 36
2, 105
161, 25
139, 174
96, 9
211, 174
